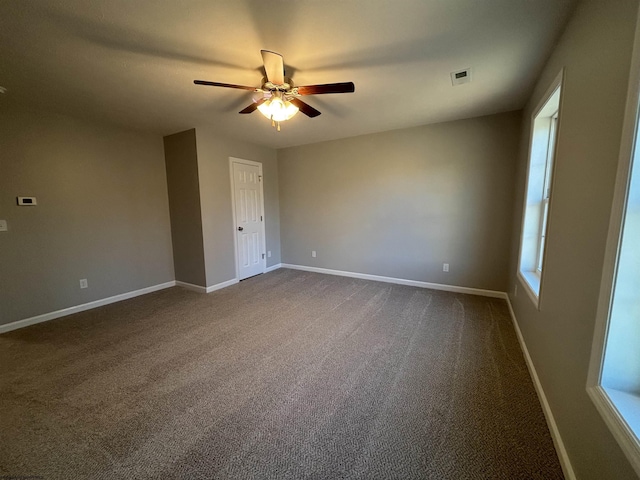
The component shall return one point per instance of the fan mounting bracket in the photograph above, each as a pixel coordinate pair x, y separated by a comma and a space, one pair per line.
268, 86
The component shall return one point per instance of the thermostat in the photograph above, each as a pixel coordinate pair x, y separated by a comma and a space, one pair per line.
27, 201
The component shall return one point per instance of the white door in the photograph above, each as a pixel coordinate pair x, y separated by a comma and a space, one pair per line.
247, 192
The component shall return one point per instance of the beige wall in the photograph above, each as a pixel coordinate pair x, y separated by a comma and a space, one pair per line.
102, 213
596, 52
215, 188
402, 203
181, 161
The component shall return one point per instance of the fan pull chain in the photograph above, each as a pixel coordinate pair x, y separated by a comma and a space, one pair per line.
275, 124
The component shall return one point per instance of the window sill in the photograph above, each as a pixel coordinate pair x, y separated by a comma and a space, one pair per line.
531, 282
628, 404
621, 412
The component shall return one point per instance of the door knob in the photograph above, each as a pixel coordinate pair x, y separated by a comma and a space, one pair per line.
240, 229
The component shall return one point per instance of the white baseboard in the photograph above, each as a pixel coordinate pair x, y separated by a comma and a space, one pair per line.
218, 286
273, 267
81, 308
201, 289
565, 463
191, 286
400, 281
106, 301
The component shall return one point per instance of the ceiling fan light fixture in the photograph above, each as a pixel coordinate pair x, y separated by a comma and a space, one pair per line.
279, 98
277, 109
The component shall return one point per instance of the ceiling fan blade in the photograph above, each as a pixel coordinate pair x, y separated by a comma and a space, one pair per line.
273, 66
345, 87
226, 85
305, 108
252, 108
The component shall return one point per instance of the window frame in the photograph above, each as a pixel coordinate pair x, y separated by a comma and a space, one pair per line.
532, 278
629, 442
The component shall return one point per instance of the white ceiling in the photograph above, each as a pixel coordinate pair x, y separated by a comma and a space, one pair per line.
133, 62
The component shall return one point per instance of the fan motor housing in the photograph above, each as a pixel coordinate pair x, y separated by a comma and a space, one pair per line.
270, 87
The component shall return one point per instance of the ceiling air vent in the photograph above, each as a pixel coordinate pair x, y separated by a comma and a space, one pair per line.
461, 76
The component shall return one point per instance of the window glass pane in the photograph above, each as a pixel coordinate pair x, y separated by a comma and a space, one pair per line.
622, 355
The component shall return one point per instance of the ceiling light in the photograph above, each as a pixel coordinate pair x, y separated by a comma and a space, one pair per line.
277, 109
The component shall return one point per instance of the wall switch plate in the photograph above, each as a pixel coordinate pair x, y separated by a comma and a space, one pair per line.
313, 253
269, 254
515, 290
445, 267
84, 283
3, 226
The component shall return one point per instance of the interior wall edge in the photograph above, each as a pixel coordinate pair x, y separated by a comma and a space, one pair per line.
185, 208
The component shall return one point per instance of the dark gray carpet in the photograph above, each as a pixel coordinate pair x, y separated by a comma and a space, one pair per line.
289, 375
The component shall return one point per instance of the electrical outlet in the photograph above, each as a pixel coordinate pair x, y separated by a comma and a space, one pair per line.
313, 253
445, 267
3, 226
269, 254
84, 283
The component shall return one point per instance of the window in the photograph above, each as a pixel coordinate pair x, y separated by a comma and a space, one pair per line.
614, 373
544, 132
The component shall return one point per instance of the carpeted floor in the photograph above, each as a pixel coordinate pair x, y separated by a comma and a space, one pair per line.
288, 375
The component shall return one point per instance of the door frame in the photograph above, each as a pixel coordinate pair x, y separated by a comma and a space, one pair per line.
263, 247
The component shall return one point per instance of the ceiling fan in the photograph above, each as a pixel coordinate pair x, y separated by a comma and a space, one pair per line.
280, 98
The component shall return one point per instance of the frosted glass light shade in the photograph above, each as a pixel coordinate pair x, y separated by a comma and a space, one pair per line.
277, 109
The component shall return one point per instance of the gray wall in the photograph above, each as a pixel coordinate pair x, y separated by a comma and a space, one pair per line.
402, 203
102, 213
596, 51
215, 188
181, 160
